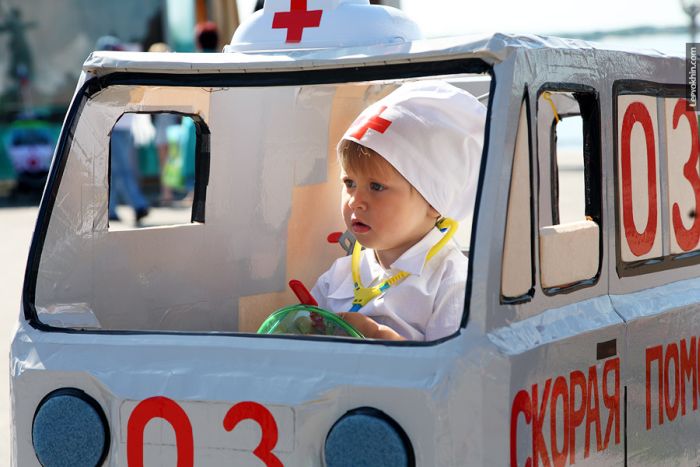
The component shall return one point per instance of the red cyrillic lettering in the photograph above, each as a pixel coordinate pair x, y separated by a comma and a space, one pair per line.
538, 445
169, 410
521, 405
654, 353
640, 243
689, 370
612, 401
688, 238
592, 412
560, 390
576, 415
671, 355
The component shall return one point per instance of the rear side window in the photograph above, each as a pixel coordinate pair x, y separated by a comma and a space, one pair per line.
570, 238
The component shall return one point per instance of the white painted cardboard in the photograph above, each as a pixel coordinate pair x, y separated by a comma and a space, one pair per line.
578, 242
517, 254
645, 218
682, 166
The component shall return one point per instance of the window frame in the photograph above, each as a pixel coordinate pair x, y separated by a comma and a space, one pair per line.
240, 79
202, 160
588, 99
532, 167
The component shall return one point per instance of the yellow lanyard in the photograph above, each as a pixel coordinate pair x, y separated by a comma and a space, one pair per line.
363, 295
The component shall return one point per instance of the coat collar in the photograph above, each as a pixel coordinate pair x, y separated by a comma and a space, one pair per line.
412, 261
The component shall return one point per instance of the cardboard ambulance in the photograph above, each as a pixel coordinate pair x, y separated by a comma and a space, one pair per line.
579, 339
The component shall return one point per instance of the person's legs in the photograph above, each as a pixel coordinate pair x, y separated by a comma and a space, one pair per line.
116, 187
166, 194
117, 191
124, 184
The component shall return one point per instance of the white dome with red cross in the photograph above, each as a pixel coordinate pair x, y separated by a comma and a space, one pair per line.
293, 24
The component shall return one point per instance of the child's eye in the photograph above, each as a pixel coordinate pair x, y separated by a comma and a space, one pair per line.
349, 183
376, 186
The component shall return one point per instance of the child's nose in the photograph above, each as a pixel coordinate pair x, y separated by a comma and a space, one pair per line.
357, 200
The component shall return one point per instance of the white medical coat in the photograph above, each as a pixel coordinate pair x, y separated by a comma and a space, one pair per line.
425, 306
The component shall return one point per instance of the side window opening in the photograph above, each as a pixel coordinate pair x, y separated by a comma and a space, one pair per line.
570, 205
158, 170
571, 148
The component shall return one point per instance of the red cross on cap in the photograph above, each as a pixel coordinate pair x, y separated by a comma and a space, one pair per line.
374, 122
295, 20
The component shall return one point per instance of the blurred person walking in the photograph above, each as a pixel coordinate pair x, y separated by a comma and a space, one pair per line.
123, 185
161, 122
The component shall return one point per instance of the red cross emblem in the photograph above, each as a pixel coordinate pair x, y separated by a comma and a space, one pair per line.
375, 122
295, 20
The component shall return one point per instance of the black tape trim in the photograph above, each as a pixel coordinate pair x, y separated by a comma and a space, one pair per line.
526, 297
201, 168
589, 106
82, 395
306, 77
293, 78
663, 263
376, 413
53, 181
477, 204
624, 430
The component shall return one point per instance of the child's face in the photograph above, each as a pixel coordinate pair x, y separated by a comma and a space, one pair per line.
383, 210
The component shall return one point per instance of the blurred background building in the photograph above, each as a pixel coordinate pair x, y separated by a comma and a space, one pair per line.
43, 44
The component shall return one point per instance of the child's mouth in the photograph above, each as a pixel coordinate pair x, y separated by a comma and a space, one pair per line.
359, 227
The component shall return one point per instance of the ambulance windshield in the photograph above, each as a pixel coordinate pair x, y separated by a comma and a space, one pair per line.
264, 209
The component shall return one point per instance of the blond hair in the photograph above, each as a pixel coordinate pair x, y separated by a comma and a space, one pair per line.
361, 159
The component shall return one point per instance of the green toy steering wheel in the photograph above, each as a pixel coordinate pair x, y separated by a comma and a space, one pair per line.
307, 320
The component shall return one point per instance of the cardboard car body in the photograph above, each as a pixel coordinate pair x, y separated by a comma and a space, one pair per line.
578, 343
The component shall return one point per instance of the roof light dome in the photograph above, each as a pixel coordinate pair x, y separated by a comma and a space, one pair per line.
313, 24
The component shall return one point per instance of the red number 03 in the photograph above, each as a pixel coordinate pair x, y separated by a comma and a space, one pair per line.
688, 238
170, 411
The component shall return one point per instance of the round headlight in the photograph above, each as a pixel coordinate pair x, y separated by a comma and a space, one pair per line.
367, 437
70, 429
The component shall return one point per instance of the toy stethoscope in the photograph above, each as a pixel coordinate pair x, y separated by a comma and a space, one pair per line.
307, 318
364, 295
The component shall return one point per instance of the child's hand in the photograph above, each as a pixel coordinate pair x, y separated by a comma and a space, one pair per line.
370, 328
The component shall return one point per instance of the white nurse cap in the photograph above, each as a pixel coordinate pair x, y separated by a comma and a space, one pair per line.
433, 134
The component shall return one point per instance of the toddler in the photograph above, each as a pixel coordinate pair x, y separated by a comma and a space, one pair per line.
409, 168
